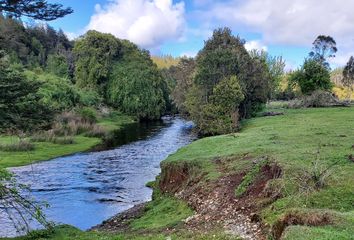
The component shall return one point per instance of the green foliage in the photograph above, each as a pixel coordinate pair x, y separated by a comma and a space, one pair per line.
16, 204
136, 85
57, 64
220, 115
225, 58
37, 9
275, 68
94, 54
183, 77
20, 105
58, 93
88, 114
324, 47
348, 74
31, 45
311, 77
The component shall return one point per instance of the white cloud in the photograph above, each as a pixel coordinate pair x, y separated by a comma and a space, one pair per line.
147, 23
255, 44
289, 22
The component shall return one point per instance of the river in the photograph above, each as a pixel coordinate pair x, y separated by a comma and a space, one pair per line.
86, 188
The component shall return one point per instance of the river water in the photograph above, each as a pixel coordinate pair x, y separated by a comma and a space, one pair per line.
85, 189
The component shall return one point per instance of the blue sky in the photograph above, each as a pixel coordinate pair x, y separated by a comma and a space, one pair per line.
179, 27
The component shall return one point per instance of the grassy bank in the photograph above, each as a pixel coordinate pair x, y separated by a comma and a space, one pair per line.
47, 150
303, 143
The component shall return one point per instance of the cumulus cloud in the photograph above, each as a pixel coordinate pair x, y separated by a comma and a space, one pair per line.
255, 44
289, 22
147, 23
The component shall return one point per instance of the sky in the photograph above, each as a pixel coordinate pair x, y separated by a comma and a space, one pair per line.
284, 28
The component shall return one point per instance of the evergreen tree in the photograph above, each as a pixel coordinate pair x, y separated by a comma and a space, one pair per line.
37, 9
20, 107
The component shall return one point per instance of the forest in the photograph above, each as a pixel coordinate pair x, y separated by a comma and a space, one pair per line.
258, 123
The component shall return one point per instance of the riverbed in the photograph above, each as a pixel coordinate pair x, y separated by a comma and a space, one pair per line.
85, 189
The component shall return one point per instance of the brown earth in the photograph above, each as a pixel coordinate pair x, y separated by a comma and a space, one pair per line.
214, 202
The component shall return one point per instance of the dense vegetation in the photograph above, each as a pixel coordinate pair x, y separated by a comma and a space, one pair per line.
60, 96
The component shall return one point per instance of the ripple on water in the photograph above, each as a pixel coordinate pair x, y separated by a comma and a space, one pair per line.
85, 189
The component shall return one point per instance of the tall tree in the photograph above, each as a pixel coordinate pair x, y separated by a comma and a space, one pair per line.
37, 9
183, 75
223, 57
95, 53
348, 74
275, 66
324, 47
20, 107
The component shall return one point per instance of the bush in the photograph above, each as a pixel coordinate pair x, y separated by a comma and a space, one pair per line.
20, 146
311, 77
49, 136
64, 140
96, 131
88, 114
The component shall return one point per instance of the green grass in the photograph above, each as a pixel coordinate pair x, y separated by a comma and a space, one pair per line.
249, 178
163, 212
115, 121
48, 150
292, 141
44, 151
65, 232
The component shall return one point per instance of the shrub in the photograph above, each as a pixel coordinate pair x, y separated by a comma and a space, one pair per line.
20, 146
96, 131
64, 140
311, 77
88, 114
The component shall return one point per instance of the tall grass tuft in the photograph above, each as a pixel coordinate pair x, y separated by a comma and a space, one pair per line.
20, 146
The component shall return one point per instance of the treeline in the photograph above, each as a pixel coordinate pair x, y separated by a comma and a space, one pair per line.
222, 85
93, 71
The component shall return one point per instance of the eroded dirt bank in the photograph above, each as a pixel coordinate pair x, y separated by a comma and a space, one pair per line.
214, 201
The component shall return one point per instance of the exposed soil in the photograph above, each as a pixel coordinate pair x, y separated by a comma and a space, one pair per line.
300, 218
214, 202
120, 222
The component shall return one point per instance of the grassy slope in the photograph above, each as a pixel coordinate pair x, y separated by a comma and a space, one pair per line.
292, 141
46, 150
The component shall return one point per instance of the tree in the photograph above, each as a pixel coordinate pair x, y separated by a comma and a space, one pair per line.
183, 75
223, 57
275, 67
95, 53
20, 107
135, 85
348, 74
37, 9
58, 65
311, 77
324, 47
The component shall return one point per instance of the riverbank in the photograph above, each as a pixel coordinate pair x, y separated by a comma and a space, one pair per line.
282, 177
48, 150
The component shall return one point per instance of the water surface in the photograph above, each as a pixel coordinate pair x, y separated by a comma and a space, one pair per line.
87, 188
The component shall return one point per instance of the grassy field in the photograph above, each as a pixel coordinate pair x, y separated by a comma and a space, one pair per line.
301, 142
47, 150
